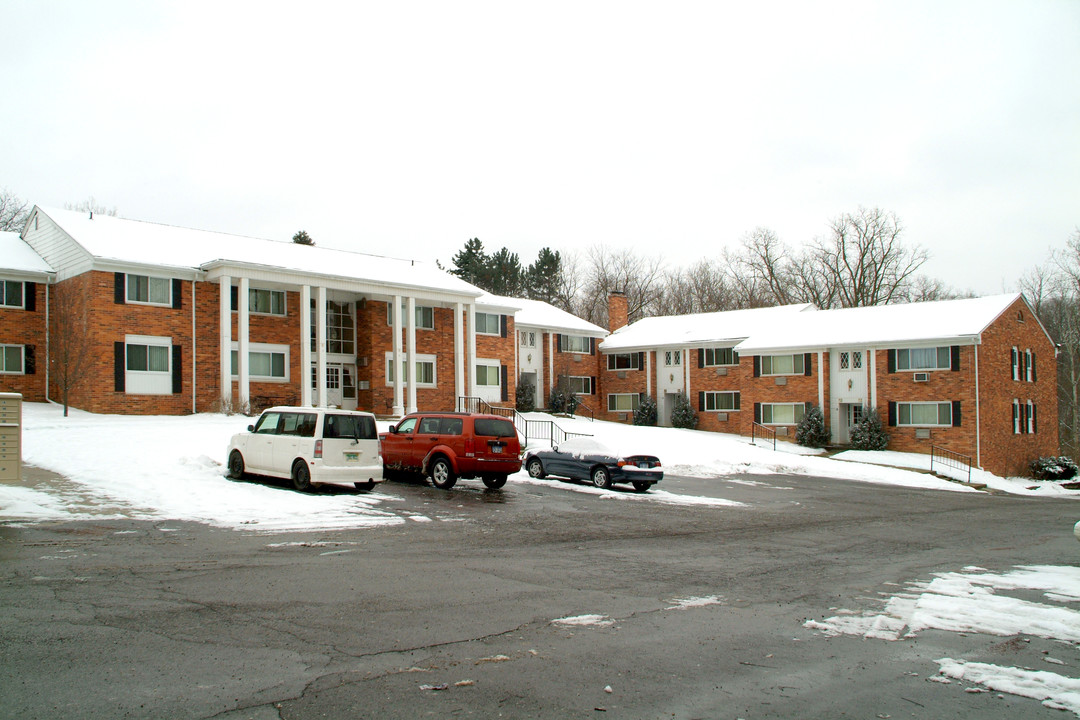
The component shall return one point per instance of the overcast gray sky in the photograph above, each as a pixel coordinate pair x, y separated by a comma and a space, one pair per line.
672, 128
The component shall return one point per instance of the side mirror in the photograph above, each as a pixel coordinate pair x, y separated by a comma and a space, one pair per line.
393, 429
251, 428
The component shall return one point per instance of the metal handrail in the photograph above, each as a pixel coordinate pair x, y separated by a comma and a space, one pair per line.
589, 410
758, 430
950, 459
531, 429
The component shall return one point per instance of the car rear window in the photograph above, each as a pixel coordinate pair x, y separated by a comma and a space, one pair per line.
349, 426
494, 427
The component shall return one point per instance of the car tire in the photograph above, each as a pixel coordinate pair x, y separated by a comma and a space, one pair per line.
366, 486
494, 482
601, 478
236, 465
442, 473
301, 476
642, 486
535, 468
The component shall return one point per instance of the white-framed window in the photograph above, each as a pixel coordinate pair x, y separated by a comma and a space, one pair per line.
782, 364
927, 358
148, 365
488, 324
266, 363
924, 414
717, 357
147, 290
624, 361
425, 315
1028, 360
12, 360
1015, 363
340, 328
723, 401
527, 338
782, 413
1030, 419
575, 344
487, 375
581, 385
623, 402
11, 294
1016, 417
424, 370
672, 358
261, 301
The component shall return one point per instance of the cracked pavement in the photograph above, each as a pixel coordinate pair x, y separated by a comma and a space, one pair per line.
454, 617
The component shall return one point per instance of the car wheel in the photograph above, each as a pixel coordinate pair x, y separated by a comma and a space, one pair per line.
301, 476
236, 465
535, 468
601, 478
442, 474
495, 481
367, 485
642, 486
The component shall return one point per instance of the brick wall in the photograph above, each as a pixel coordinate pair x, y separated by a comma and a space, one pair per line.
622, 381
576, 365
730, 378
497, 347
19, 326
764, 389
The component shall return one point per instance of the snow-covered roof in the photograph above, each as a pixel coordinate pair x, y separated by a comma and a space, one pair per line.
729, 326
146, 243
17, 256
539, 314
957, 320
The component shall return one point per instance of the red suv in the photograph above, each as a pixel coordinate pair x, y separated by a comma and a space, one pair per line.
449, 445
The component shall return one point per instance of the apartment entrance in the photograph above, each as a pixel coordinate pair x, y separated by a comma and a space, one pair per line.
340, 385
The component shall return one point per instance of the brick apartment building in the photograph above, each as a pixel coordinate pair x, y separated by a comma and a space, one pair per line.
164, 304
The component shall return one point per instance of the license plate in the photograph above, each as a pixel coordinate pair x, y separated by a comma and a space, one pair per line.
643, 466
351, 457
497, 449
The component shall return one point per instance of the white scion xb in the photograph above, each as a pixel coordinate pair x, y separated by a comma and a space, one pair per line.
312, 446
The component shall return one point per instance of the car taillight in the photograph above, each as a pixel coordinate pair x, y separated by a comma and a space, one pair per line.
623, 461
656, 463
318, 448
470, 446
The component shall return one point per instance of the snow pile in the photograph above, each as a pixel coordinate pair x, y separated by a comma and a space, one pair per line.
1055, 691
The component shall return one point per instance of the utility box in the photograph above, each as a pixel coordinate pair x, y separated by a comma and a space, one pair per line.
10, 437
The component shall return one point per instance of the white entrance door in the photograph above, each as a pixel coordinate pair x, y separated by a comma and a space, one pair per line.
848, 383
340, 385
669, 382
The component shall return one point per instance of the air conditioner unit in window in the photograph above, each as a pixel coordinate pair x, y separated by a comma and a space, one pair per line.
922, 377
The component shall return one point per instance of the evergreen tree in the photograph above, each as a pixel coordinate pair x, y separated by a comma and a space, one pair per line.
646, 412
542, 276
302, 238
811, 431
504, 275
471, 264
525, 396
683, 414
869, 433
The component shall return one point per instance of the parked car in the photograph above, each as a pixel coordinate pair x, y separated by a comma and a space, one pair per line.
312, 446
587, 459
449, 445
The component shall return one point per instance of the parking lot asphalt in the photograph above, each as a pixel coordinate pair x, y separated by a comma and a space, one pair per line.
534, 601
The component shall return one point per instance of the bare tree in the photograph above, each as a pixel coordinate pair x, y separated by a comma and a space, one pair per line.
640, 278
703, 287
13, 211
70, 350
92, 206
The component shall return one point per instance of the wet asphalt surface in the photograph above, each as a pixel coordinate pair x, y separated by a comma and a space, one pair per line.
453, 616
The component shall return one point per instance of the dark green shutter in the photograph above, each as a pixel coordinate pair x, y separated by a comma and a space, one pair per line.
701, 357
1033, 377
701, 401
954, 356
30, 296
738, 400
892, 413
757, 368
119, 366
757, 411
29, 360
956, 413
641, 361
119, 286
892, 361
592, 385
807, 364
177, 294
502, 325
177, 370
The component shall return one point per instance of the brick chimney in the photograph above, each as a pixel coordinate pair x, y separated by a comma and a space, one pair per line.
617, 311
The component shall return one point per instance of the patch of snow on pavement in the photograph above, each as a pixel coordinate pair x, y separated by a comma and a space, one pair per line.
683, 603
1055, 691
585, 620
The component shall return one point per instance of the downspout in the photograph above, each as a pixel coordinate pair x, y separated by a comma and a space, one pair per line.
194, 347
47, 340
978, 429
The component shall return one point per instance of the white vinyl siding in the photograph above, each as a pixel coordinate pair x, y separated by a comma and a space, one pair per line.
924, 414
11, 360
148, 368
623, 402
929, 358
146, 290
782, 413
782, 364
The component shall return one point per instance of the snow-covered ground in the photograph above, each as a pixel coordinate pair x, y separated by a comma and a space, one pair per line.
171, 468
977, 601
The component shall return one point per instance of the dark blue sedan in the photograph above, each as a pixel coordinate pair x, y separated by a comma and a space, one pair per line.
588, 459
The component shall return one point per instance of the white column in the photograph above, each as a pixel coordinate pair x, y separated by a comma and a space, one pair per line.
305, 345
226, 341
459, 353
648, 373
320, 343
399, 403
410, 339
821, 381
243, 391
551, 368
873, 377
685, 354
470, 335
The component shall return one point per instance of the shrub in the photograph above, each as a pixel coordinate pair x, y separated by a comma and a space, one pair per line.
563, 400
683, 414
1053, 468
556, 401
811, 431
869, 433
646, 412
525, 397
